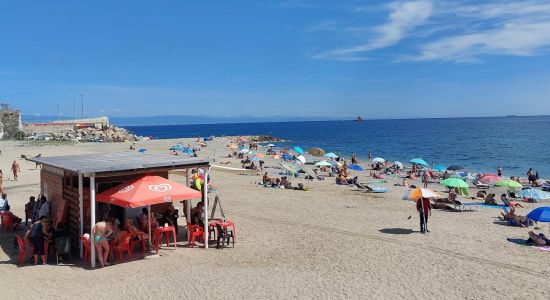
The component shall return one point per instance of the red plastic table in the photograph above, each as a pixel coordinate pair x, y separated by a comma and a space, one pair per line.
224, 225
164, 231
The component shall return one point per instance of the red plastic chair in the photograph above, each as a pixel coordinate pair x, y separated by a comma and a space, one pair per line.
123, 245
194, 232
85, 238
24, 249
7, 221
134, 242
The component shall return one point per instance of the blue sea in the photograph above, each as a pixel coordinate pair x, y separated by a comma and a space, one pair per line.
479, 144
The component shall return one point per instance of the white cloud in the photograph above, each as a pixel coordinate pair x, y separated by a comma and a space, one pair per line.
499, 9
455, 31
520, 39
403, 17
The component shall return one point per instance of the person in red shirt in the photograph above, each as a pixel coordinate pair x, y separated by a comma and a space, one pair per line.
424, 210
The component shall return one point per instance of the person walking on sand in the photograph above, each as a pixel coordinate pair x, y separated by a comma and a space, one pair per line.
499, 171
15, 170
424, 210
1, 182
425, 179
100, 233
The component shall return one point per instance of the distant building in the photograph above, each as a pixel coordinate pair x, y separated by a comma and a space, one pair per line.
10, 121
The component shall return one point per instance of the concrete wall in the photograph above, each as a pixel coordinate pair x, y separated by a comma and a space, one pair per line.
31, 129
65, 125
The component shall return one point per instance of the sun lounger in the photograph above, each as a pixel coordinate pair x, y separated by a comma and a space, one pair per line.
526, 243
371, 189
377, 181
480, 185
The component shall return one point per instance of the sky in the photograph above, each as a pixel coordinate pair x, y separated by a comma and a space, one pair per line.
377, 59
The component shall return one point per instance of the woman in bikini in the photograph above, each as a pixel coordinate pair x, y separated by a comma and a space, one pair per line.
100, 233
539, 239
129, 226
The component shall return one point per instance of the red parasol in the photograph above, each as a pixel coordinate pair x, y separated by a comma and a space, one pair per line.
147, 190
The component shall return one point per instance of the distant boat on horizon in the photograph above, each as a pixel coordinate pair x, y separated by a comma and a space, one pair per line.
358, 119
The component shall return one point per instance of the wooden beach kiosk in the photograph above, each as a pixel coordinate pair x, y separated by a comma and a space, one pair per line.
72, 182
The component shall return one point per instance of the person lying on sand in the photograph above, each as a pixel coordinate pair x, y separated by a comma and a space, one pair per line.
284, 183
225, 162
520, 221
376, 176
509, 203
266, 179
437, 204
538, 239
341, 180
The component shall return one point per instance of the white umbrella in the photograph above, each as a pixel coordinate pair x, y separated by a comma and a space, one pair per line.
244, 150
323, 163
398, 164
378, 160
301, 159
270, 145
420, 193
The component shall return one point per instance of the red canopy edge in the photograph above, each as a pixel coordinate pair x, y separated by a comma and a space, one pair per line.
147, 190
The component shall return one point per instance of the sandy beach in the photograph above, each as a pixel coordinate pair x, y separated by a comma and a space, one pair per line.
330, 242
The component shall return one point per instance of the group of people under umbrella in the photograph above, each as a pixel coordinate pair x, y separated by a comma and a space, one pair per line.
146, 191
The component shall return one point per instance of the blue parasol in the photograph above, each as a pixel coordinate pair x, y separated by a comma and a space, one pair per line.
177, 148
418, 161
299, 150
287, 157
541, 214
439, 168
355, 167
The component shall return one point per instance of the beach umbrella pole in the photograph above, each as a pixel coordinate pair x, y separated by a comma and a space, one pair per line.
149, 216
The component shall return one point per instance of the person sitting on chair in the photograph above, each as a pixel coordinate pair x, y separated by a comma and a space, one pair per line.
144, 220
197, 214
171, 216
138, 234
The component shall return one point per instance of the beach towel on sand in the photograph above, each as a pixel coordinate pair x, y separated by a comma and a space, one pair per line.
525, 243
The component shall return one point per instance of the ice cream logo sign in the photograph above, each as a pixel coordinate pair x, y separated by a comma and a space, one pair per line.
160, 188
127, 189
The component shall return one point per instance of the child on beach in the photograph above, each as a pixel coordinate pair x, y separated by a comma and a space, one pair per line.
15, 169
